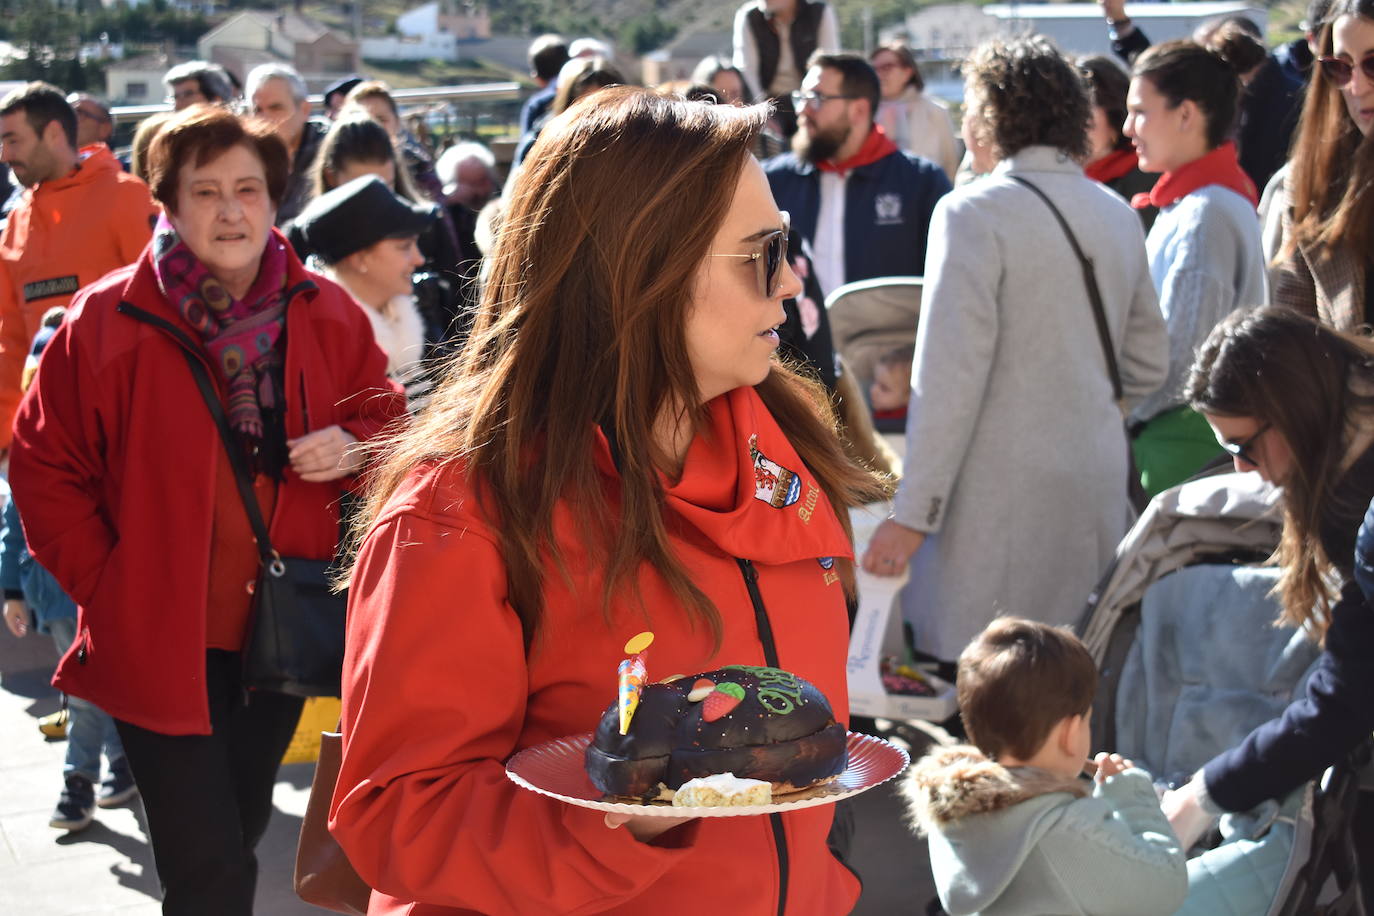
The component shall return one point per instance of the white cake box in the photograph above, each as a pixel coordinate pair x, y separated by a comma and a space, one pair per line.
878, 633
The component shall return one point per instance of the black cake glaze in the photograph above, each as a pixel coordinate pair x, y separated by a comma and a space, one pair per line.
782, 732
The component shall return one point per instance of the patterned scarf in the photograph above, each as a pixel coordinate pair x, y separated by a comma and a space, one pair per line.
240, 336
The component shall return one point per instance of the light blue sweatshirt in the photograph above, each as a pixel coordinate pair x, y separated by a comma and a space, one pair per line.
1022, 842
1206, 260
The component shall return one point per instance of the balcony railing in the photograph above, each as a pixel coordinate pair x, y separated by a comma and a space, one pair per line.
473, 92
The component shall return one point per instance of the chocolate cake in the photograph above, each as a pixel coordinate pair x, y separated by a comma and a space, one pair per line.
757, 723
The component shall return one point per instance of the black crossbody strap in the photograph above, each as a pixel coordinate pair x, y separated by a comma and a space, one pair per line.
1094, 292
236, 461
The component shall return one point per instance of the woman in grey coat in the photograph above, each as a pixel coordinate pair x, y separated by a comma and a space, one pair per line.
1015, 490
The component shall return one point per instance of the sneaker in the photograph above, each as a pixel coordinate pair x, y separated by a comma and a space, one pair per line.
76, 807
118, 787
54, 725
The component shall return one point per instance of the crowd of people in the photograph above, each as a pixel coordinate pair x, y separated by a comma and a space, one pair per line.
531, 415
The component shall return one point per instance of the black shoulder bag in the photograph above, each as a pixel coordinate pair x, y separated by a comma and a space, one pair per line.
1134, 491
295, 640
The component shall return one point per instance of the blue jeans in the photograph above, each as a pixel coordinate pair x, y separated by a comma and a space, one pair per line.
89, 728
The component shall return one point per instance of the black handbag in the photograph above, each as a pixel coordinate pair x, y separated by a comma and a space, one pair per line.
295, 639
1135, 492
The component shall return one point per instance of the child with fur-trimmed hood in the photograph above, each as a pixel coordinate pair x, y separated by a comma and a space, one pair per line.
1012, 828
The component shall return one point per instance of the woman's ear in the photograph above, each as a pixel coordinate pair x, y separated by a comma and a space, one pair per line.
1189, 116
355, 262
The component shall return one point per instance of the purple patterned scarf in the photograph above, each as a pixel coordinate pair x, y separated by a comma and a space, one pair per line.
240, 336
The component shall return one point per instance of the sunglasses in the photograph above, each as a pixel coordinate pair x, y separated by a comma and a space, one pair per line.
770, 257
1241, 450
804, 100
1342, 72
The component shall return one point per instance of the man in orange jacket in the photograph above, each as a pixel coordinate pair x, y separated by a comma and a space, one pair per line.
81, 217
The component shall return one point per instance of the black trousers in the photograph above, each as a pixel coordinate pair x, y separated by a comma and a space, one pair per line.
208, 797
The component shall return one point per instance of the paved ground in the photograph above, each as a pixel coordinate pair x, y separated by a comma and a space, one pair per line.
108, 868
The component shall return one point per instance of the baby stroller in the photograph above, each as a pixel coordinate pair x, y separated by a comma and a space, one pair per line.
1181, 628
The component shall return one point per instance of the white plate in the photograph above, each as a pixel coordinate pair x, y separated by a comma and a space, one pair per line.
557, 769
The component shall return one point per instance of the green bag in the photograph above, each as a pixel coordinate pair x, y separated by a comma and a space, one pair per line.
1172, 447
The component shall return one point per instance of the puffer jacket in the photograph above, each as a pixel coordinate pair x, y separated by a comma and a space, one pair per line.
1021, 841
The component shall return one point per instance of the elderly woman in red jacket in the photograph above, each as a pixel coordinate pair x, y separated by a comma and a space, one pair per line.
600, 458
129, 499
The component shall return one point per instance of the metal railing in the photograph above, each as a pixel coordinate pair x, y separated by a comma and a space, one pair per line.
473, 92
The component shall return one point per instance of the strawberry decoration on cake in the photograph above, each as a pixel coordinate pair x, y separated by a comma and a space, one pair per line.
755, 722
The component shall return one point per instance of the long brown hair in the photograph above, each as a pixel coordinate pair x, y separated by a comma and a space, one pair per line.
581, 325
1284, 368
1333, 166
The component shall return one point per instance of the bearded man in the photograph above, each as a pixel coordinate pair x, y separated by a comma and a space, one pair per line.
862, 204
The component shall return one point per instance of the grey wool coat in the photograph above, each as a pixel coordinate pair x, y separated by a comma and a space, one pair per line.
1016, 459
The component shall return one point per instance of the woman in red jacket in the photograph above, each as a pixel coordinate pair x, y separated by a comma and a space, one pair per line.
129, 499
598, 464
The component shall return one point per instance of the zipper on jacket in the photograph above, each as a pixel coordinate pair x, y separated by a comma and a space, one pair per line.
770, 655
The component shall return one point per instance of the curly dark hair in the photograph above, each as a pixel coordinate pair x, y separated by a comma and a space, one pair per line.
1028, 94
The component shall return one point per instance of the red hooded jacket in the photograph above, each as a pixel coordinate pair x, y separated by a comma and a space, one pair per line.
439, 692
113, 470
65, 234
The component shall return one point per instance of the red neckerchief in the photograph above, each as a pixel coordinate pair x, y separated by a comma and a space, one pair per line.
876, 146
1111, 166
1220, 166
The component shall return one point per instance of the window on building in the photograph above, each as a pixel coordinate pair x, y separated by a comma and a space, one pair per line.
136, 90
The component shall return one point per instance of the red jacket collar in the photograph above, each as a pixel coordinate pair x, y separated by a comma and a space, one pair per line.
1111, 166
744, 487
876, 146
1220, 166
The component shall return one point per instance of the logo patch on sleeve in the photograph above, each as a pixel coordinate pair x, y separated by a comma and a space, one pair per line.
55, 286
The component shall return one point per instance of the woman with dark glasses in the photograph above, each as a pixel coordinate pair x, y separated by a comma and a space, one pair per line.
1015, 494
616, 450
1294, 400
1326, 210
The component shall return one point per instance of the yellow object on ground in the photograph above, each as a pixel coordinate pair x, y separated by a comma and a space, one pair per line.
321, 714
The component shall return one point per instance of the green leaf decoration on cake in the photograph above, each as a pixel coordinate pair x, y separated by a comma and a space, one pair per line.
730, 687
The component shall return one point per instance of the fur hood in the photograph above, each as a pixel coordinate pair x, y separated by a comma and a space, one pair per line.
951, 783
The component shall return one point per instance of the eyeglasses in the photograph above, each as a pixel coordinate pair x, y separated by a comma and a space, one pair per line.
1342, 72
1241, 450
91, 116
802, 100
768, 260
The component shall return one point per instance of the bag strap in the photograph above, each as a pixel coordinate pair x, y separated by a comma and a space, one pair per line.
266, 553
1094, 293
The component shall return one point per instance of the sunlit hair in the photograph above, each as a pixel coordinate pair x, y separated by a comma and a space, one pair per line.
1314, 385
580, 76
1028, 94
1017, 680
1330, 158
148, 128
373, 89
582, 324
354, 138
202, 133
